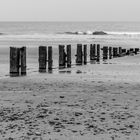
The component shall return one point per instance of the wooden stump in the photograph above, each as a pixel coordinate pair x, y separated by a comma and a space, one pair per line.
62, 56
85, 54
110, 52
131, 50
14, 61
105, 52
92, 52
128, 52
42, 58
50, 60
123, 52
115, 52
98, 52
120, 51
79, 56
23, 60
136, 50
68, 56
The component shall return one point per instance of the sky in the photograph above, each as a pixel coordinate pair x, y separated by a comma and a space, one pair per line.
69, 10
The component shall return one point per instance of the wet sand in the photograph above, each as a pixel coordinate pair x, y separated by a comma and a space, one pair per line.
100, 102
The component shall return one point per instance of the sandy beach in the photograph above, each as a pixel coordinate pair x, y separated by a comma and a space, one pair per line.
97, 101
88, 102
69, 70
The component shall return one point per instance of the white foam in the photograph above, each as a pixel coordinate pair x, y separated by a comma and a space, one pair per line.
123, 33
108, 32
72, 36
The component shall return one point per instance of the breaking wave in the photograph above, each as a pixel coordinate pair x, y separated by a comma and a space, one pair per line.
69, 35
104, 33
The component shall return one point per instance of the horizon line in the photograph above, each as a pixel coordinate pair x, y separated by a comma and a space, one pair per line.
59, 21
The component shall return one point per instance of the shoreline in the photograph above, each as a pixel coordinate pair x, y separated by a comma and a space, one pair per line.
93, 101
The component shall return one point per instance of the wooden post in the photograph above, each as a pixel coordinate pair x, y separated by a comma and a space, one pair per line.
50, 60
23, 60
136, 50
42, 58
128, 52
14, 61
62, 56
98, 52
68, 56
92, 51
105, 52
110, 53
85, 54
79, 56
123, 52
115, 52
120, 51
131, 50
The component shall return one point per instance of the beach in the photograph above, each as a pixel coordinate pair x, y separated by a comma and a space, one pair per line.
101, 102
98, 101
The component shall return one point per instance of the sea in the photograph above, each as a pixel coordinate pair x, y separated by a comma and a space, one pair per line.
34, 34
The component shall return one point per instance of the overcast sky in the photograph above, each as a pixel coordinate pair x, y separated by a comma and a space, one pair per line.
69, 10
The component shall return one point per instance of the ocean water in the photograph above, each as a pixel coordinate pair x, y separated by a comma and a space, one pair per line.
56, 31
34, 34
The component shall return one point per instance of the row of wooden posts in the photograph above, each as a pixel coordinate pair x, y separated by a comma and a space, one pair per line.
18, 56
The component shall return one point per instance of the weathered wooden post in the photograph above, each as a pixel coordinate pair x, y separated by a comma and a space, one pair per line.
23, 60
85, 54
42, 58
128, 52
62, 56
136, 50
79, 55
123, 52
105, 52
50, 60
131, 50
14, 61
120, 51
110, 53
92, 51
68, 56
115, 52
98, 52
